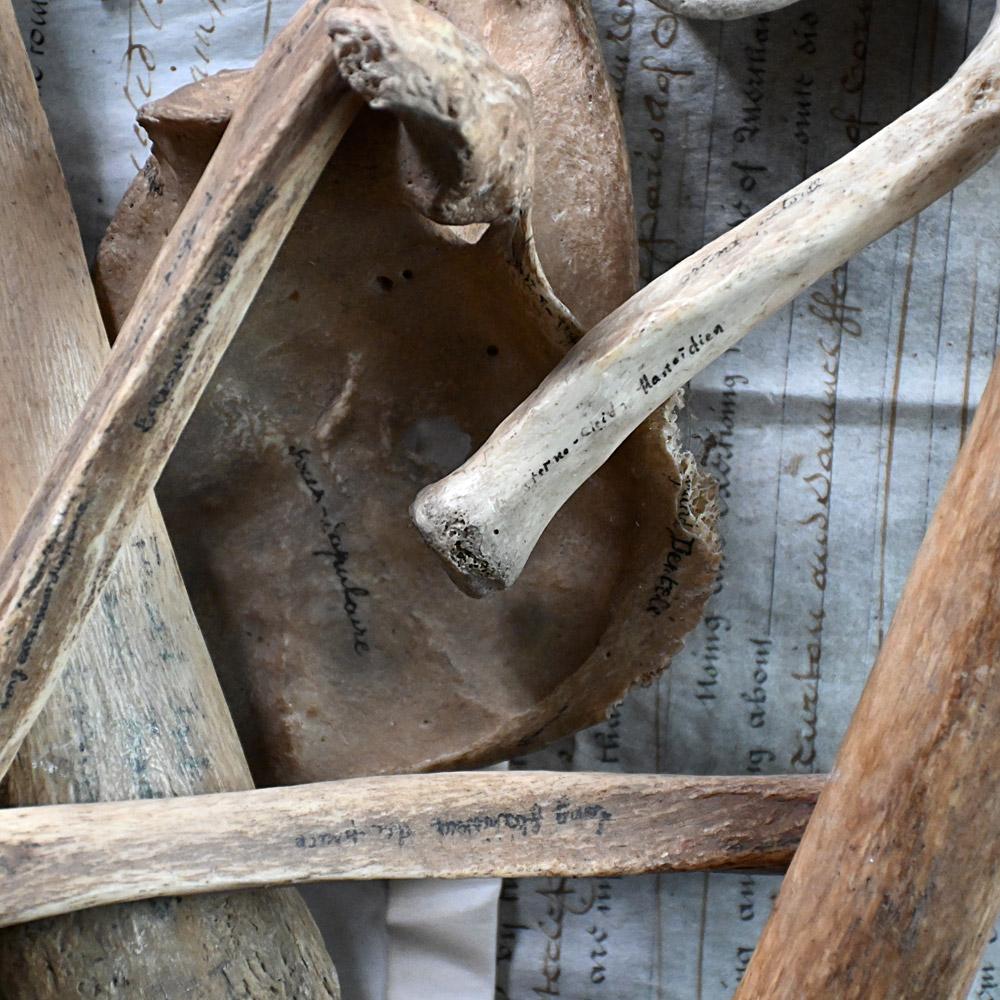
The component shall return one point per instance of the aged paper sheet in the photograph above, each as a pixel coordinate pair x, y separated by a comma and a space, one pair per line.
831, 428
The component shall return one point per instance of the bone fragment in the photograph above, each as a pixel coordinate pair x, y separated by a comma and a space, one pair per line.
485, 518
190, 306
138, 711
461, 825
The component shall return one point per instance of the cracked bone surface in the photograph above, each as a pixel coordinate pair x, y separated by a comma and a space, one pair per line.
381, 350
485, 518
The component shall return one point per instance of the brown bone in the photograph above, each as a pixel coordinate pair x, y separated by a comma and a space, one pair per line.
138, 711
897, 883
381, 350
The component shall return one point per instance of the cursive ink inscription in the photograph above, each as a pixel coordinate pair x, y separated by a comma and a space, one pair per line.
667, 582
648, 382
336, 552
221, 270
517, 823
571, 812
594, 426
352, 834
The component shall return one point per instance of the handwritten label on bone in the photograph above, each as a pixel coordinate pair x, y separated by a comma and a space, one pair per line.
336, 552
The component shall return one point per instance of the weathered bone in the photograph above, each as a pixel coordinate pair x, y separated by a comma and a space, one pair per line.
138, 712
485, 518
722, 10
367, 368
59, 858
188, 310
897, 883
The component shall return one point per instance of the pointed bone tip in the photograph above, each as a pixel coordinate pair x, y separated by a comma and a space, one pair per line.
475, 567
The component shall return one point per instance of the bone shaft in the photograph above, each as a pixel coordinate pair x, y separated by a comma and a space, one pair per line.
897, 883
59, 858
138, 710
632, 362
723, 10
187, 311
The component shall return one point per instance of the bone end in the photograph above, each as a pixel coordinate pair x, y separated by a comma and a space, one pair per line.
475, 565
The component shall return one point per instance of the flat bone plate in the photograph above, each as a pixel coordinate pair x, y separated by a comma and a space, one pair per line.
381, 351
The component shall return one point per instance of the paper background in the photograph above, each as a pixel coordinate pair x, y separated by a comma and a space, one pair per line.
831, 428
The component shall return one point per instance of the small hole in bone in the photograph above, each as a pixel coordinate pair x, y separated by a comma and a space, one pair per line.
493, 350
384, 283
407, 274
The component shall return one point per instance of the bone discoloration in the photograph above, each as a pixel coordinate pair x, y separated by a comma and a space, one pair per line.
465, 825
722, 10
138, 712
306, 575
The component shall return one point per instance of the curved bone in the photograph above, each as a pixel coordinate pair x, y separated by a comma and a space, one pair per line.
465, 146
367, 368
722, 10
189, 308
485, 518
59, 858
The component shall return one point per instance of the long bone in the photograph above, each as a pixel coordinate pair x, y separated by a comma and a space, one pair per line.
300, 103
189, 307
722, 10
139, 712
54, 859
485, 518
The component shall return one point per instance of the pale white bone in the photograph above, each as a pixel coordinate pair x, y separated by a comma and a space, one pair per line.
722, 10
54, 859
486, 517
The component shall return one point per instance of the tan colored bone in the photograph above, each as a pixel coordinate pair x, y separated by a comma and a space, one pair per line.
486, 518
370, 365
187, 311
470, 825
138, 711
898, 879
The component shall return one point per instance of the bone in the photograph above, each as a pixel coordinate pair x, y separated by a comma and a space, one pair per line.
722, 10
898, 878
465, 825
309, 422
138, 711
485, 518
188, 310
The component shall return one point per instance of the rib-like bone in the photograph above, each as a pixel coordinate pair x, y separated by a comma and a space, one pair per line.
485, 518
722, 10
190, 306
58, 858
